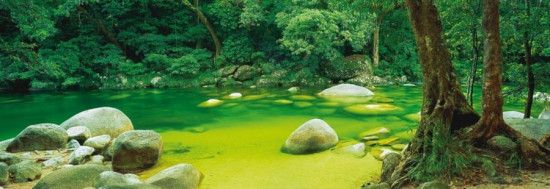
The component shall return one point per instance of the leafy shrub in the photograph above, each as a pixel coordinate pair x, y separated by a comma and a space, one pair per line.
237, 50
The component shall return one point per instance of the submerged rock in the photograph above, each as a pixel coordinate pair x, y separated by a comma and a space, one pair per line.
80, 176
210, 103
136, 150
374, 131
177, 176
512, 115
373, 109
25, 171
234, 95
398, 146
303, 104
380, 153
387, 141
357, 150
44, 136
101, 121
369, 138
283, 102
313, 136
254, 97
346, 90
98, 142
413, 117
79, 133
302, 97
293, 89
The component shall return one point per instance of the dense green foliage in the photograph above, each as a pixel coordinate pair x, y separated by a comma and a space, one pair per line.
124, 44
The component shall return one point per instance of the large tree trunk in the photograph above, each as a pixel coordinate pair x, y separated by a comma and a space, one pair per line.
209, 27
530, 76
533, 154
444, 107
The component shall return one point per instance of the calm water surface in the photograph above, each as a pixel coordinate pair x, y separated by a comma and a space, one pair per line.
237, 144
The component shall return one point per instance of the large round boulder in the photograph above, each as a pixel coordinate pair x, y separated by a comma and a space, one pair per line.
531, 128
313, 136
101, 121
137, 150
80, 176
178, 176
343, 90
45, 136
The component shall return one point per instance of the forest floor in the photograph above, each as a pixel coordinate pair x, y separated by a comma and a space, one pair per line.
522, 179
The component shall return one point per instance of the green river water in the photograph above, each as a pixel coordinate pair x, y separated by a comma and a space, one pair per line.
237, 144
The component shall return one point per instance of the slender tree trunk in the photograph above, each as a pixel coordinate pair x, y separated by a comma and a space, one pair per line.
198, 45
375, 44
444, 107
473, 69
209, 27
530, 76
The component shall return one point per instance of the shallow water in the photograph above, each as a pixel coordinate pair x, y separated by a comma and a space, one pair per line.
236, 144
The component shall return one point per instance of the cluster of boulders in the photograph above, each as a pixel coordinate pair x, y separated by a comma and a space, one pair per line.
84, 151
316, 135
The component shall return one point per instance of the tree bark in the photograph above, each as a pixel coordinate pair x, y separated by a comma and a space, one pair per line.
530, 76
444, 107
491, 118
209, 27
375, 44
